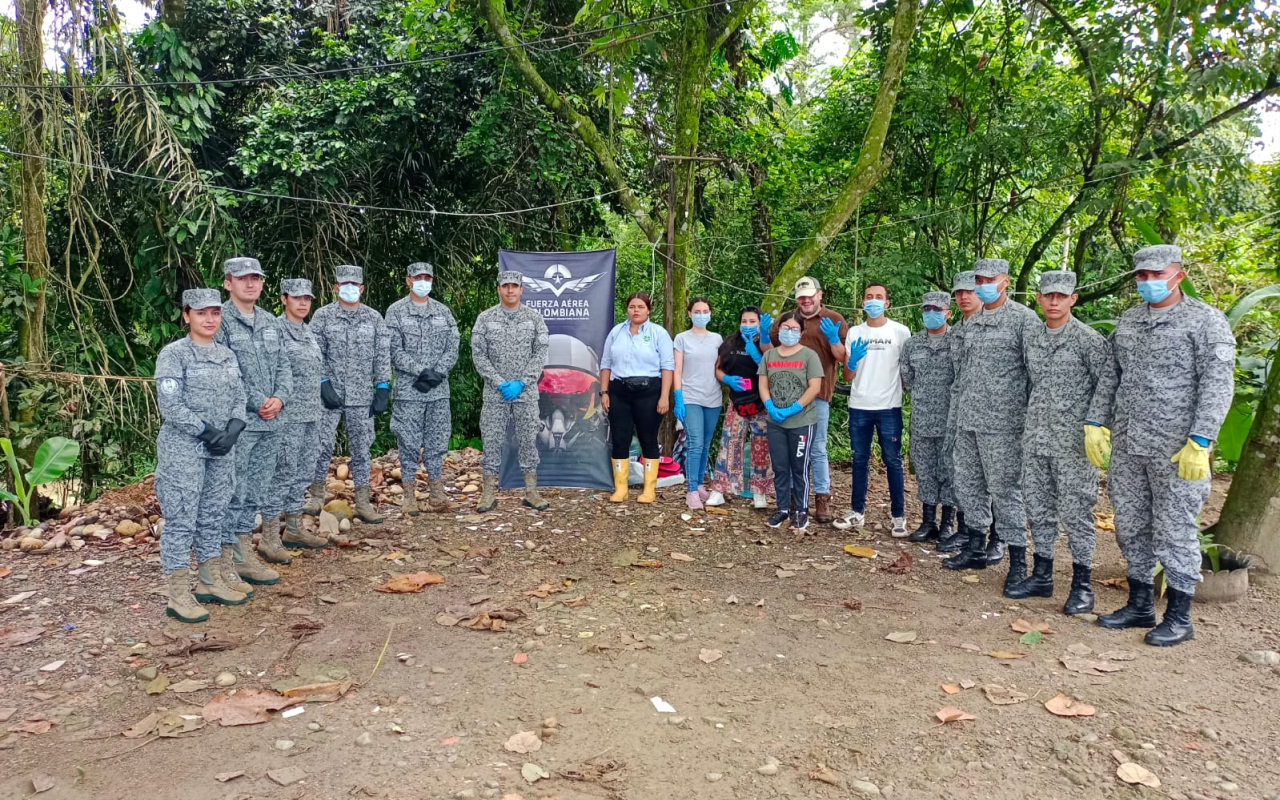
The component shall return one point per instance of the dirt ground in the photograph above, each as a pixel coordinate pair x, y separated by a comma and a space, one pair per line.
750, 641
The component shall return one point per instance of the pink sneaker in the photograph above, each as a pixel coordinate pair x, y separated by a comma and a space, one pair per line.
704, 493
693, 500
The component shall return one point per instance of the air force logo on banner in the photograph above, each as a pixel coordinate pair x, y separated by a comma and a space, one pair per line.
559, 280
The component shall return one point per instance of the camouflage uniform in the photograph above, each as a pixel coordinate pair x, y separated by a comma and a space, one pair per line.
927, 374
300, 417
264, 369
195, 385
424, 336
1172, 379
509, 345
1059, 484
356, 349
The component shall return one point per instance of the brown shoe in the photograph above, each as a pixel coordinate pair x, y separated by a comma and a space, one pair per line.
822, 509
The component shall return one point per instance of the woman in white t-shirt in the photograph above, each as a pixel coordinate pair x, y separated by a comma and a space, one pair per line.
697, 395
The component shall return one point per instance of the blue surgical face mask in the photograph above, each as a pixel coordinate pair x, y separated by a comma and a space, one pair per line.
349, 292
422, 288
934, 320
987, 292
701, 320
789, 336
874, 308
749, 331
1154, 291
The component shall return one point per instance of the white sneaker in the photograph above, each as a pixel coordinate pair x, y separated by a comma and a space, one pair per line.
899, 527
714, 499
849, 519
759, 501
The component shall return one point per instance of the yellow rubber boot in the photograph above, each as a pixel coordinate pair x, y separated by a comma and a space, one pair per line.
621, 471
650, 492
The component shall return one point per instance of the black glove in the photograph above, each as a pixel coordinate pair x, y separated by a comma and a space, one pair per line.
329, 396
427, 380
381, 399
210, 434
232, 434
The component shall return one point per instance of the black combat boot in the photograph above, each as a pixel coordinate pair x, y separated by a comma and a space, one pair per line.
1176, 626
1040, 584
1139, 612
973, 556
1017, 569
951, 539
995, 547
1080, 599
928, 526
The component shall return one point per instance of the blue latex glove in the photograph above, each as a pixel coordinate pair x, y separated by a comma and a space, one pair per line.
753, 351
510, 390
830, 329
791, 410
735, 383
766, 325
857, 349
774, 412
678, 407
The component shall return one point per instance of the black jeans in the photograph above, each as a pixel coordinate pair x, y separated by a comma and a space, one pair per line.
789, 451
634, 410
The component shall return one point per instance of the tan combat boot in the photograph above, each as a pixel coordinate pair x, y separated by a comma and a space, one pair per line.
230, 575
531, 497
650, 492
182, 606
248, 566
315, 499
408, 500
488, 494
212, 589
438, 500
621, 471
295, 536
365, 512
269, 545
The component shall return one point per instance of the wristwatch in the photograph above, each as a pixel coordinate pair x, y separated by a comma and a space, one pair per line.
603, 392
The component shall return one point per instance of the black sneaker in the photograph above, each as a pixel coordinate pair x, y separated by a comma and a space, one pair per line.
777, 518
800, 521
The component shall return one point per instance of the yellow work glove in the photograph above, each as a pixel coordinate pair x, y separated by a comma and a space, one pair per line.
1097, 445
1192, 461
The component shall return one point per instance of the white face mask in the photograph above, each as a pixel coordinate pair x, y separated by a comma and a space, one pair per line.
349, 292
422, 288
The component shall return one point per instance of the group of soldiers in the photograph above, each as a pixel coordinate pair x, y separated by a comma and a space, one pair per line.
251, 404
1013, 417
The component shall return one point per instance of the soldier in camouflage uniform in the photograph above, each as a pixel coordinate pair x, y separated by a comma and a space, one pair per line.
253, 334
1066, 360
298, 421
356, 385
424, 347
1171, 389
927, 374
962, 286
509, 348
992, 391
202, 405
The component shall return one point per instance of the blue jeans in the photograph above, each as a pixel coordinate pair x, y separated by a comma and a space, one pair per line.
818, 449
699, 425
887, 425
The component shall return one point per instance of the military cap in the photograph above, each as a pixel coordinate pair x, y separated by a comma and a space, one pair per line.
296, 287
939, 299
201, 298
1157, 257
1058, 281
509, 276
348, 273
990, 267
807, 287
964, 281
240, 266
419, 268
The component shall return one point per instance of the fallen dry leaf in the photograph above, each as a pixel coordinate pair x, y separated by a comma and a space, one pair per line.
34, 727
707, 656
951, 688
1006, 655
1104, 522
901, 565
223, 777
486, 551
189, 685
716, 511
1135, 773
544, 590
1079, 649
410, 583
823, 774
1118, 655
158, 685
953, 714
853, 604
5, 571
42, 782
1000, 696
14, 636
860, 552
246, 707
681, 557
320, 692
1114, 583
970, 579
1022, 626
1086, 666
524, 742
1064, 706
902, 637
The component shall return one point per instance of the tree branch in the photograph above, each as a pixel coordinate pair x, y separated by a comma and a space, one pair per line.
717, 37
1269, 88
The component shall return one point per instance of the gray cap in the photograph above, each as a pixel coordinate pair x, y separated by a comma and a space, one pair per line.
1058, 281
939, 299
296, 287
990, 267
509, 276
201, 298
240, 266
1157, 257
964, 281
419, 268
348, 273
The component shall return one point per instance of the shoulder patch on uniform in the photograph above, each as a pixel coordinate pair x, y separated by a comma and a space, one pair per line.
168, 385
1224, 352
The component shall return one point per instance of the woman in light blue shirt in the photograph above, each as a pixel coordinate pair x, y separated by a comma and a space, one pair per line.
636, 370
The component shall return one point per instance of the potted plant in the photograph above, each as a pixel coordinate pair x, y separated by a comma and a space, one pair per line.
1224, 572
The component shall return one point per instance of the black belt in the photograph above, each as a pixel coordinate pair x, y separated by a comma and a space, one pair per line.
636, 384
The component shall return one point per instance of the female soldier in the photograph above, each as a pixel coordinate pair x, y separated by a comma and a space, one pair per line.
202, 404
737, 365
790, 378
695, 373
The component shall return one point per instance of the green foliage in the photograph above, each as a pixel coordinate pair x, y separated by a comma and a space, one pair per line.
54, 457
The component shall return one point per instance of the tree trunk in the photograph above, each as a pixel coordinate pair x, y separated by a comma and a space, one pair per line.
1250, 520
868, 171
31, 119
695, 58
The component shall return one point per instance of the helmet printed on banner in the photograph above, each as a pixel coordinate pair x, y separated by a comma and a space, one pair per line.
568, 390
